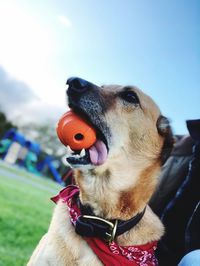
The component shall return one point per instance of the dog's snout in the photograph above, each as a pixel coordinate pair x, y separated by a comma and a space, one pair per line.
84, 95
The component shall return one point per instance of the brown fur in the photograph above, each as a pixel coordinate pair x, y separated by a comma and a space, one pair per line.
118, 189
137, 197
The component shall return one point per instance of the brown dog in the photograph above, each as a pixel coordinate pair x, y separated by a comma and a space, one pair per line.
116, 178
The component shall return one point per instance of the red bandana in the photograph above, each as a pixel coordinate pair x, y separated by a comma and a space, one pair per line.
109, 254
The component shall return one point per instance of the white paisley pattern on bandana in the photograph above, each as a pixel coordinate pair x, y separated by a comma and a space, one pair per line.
132, 253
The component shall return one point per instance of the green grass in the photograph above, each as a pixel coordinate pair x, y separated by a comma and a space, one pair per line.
25, 213
43, 180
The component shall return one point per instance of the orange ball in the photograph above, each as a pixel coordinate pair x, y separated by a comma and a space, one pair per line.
75, 132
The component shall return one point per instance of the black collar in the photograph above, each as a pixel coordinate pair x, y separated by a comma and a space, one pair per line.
89, 225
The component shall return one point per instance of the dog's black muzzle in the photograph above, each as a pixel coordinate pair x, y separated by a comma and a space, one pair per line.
85, 99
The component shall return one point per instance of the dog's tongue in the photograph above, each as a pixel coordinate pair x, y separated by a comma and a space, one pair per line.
98, 153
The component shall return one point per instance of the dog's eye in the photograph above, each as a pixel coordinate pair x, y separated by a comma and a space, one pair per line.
130, 97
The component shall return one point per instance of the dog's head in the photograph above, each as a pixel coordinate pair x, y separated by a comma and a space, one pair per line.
128, 123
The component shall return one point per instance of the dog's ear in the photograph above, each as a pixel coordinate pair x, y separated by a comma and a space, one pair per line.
164, 129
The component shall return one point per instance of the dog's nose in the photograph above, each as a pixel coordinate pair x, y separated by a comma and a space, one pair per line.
78, 84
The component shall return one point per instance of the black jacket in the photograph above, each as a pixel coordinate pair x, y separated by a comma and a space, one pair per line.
181, 216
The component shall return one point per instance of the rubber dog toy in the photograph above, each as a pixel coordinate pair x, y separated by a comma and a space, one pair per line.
75, 132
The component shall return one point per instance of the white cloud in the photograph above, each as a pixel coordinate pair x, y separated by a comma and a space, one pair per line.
14, 93
37, 112
21, 105
65, 21
28, 53
27, 50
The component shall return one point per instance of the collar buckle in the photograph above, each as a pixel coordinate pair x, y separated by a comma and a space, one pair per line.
110, 235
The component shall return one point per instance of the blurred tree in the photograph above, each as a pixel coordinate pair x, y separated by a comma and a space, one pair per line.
46, 136
5, 125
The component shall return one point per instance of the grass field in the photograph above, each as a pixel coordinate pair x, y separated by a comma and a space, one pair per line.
25, 213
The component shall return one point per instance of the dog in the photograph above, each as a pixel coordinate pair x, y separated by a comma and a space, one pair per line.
115, 178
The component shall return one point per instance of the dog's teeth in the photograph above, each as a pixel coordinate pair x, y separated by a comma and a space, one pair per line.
77, 156
82, 153
69, 151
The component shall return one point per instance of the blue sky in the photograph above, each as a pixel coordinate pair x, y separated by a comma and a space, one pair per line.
154, 45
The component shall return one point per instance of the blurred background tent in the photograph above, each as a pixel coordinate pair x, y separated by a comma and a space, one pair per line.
16, 149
